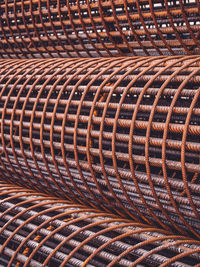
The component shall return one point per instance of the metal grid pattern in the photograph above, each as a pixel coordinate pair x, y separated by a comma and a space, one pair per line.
83, 28
39, 230
117, 134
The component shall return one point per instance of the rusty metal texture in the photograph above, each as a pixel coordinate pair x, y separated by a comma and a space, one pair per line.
120, 134
82, 28
40, 230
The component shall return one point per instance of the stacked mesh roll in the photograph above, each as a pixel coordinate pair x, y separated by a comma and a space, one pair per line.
99, 133
36, 230
120, 134
98, 28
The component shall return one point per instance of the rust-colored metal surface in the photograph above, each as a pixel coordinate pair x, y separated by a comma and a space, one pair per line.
39, 230
82, 28
121, 134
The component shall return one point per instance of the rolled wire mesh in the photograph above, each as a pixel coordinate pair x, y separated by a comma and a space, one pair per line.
40, 230
41, 28
120, 134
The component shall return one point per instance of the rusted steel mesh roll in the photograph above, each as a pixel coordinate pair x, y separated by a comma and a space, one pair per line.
40, 230
41, 28
117, 134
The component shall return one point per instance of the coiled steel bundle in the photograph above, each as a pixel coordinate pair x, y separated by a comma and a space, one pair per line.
41, 28
118, 134
39, 230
